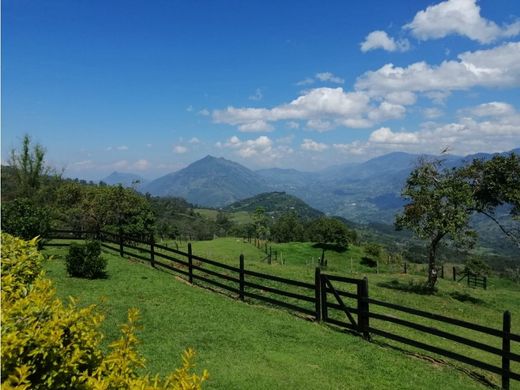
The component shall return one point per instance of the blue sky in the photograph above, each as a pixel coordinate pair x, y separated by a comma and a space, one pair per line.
151, 86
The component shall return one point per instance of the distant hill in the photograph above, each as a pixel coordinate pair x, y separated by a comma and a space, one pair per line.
275, 204
125, 179
210, 182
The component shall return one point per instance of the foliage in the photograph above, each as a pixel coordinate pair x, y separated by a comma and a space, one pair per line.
438, 206
373, 249
477, 266
261, 223
496, 182
288, 228
28, 167
85, 261
329, 231
22, 217
47, 345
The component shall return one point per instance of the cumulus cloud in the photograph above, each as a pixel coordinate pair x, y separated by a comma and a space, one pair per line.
311, 145
122, 147
432, 113
204, 112
381, 40
496, 67
179, 149
306, 81
261, 149
194, 140
322, 109
141, 165
461, 17
495, 128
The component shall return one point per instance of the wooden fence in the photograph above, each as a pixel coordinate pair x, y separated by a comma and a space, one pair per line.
321, 300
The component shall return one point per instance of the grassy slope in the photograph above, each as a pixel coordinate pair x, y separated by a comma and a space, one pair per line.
244, 346
454, 300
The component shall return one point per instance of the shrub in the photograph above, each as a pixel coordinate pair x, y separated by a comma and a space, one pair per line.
48, 345
23, 218
85, 261
369, 262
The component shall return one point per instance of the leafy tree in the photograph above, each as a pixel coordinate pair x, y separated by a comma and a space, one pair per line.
224, 224
328, 233
438, 206
373, 249
288, 228
495, 183
261, 223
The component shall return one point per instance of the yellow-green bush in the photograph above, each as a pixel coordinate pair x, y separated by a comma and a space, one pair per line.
49, 345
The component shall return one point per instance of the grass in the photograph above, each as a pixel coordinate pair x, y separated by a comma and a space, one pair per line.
455, 300
243, 345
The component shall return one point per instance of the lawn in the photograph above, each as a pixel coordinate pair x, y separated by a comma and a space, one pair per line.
244, 345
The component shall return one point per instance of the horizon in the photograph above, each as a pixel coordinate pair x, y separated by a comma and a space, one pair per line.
149, 88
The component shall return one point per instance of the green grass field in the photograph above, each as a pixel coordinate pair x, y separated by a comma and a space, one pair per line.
244, 346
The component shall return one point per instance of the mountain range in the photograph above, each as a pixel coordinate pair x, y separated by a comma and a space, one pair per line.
363, 192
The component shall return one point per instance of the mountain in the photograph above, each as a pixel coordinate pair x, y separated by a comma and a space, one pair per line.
125, 179
275, 204
284, 178
210, 182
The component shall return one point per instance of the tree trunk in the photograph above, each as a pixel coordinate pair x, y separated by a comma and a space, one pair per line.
432, 269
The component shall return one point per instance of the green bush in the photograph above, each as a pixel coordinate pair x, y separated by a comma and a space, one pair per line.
46, 344
24, 218
85, 261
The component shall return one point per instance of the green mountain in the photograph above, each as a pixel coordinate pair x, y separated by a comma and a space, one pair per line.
275, 204
211, 182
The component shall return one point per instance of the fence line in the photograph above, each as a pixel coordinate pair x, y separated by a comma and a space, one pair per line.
233, 280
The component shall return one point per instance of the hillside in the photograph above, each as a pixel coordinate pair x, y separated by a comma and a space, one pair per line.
275, 204
211, 181
125, 179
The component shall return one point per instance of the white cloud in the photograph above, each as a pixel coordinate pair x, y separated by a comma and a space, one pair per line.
262, 149
141, 165
189, 108
493, 109
256, 126
327, 76
432, 112
496, 67
194, 140
311, 145
179, 149
387, 136
293, 125
257, 95
306, 81
319, 105
204, 112
461, 17
381, 40
495, 128
122, 147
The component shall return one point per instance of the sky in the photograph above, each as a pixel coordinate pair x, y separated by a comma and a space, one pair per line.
150, 86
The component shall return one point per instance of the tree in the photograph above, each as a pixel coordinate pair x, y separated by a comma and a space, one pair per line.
28, 167
261, 223
438, 208
288, 228
328, 233
495, 183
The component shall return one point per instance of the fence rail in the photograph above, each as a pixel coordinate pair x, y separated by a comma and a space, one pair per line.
275, 290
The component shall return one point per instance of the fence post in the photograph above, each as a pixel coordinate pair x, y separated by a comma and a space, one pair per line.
152, 250
485, 282
442, 271
241, 277
363, 308
506, 349
405, 267
323, 293
121, 246
454, 274
468, 275
317, 293
270, 254
190, 264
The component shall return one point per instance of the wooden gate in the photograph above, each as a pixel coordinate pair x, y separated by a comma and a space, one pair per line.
352, 306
